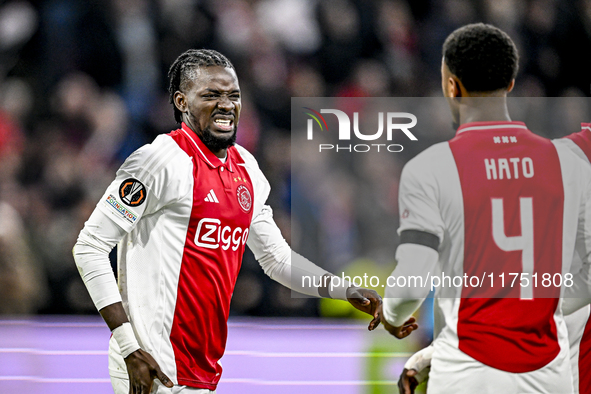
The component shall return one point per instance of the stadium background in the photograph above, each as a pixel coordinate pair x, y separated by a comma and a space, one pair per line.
83, 84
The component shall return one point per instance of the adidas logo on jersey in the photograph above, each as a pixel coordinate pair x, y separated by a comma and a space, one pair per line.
211, 197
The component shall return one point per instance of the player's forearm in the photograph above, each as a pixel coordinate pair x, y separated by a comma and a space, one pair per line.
117, 321
401, 302
301, 275
114, 315
95, 269
421, 362
283, 265
396, 311
91, 254
96, 272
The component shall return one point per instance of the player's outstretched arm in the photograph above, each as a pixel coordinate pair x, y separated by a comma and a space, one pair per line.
421, 231
414, 260
296, 272
91, 253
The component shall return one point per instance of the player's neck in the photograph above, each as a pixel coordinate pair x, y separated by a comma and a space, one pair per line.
221, 154
484, 109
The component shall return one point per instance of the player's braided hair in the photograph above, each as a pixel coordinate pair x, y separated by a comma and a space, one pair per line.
184, 69
482, 56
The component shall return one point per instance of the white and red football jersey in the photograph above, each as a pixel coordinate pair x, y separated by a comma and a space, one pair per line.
187, 216
578, 323
581, 142
496, 197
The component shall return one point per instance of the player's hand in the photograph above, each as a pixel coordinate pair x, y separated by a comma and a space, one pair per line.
142, 370
407, 382
367, 301
403, 331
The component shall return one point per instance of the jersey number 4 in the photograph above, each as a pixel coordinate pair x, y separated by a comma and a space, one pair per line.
523, 242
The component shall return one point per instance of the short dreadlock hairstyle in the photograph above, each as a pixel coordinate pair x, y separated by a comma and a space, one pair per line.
482, 56
184, 67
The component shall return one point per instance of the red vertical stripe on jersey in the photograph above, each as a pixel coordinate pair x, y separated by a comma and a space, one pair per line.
210, 263
585, 360
495, 326
583, 139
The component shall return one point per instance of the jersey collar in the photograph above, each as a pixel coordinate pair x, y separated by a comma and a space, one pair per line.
586, 126
490, 126
207, 155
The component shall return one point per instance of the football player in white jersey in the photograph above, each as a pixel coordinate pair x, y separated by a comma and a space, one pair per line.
181, 211
416, 369
578, 322
491, 202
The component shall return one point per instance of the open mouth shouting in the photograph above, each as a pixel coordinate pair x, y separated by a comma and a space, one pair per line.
224, 122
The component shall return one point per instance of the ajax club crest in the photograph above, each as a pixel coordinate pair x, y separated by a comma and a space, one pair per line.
244, 198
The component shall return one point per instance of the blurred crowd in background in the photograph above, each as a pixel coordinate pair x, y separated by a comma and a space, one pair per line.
84, 83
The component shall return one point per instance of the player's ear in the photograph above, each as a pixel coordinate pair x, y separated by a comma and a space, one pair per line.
180, 101
454, 87
511, 86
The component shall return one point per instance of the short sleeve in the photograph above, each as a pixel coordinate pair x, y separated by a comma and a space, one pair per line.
418, 199
141, 184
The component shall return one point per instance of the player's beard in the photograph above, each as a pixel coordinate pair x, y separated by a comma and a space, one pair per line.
215, 144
